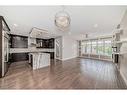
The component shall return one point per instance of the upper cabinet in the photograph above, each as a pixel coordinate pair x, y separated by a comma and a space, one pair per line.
5, 26
45, 43
51, 43
19, 41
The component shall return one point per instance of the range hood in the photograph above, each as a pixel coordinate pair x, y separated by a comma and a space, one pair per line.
36, 32
41, 33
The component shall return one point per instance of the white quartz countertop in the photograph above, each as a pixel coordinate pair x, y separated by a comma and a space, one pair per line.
27, 50
35, 53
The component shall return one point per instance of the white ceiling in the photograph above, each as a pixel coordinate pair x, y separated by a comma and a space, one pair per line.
92, 20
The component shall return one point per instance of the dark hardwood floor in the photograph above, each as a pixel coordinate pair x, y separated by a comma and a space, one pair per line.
77, 73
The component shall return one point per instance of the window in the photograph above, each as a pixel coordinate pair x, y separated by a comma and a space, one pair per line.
84, 47
94, 47
108, 47
88, 50
100, 48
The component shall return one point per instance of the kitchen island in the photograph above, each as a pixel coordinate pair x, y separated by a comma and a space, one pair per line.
39, 60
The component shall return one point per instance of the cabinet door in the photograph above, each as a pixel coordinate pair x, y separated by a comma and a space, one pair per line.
19, 42
52, 55
19, 57
45, 43
51, 43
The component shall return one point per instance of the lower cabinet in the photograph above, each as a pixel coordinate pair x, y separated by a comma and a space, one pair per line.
15, 57
52, 55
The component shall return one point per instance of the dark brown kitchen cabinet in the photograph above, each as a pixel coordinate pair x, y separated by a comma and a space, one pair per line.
19, 41
15, 57
45, 43
51, 43
52, 55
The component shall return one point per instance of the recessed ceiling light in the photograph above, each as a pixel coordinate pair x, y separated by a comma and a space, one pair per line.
15, 25
95, 25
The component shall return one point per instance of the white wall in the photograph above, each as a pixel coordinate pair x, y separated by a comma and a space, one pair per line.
123, 49
69, 49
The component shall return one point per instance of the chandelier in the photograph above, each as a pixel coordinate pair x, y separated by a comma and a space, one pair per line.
62, 20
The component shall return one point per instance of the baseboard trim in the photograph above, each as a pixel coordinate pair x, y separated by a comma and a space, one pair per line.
96, 58
68, 58
58, 58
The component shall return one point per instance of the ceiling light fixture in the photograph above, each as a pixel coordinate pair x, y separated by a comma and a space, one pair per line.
15, 25
62, 20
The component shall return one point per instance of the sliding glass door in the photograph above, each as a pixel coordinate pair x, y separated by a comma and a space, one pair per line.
84, 47
101, 47
94, 47
108, 47
88, 49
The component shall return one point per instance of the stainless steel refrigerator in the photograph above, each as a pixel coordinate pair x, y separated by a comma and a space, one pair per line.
4, 46
5, 53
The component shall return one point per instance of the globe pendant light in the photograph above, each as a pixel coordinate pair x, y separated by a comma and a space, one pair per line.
62, 20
